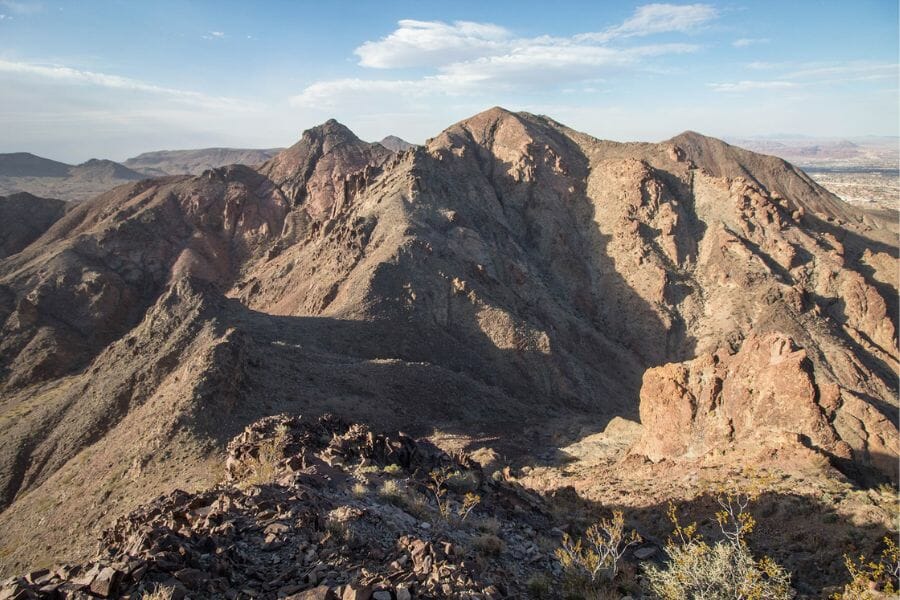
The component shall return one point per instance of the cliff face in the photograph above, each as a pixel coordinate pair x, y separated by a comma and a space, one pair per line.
509, 271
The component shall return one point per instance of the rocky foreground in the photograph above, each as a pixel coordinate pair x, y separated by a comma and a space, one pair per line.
321, 509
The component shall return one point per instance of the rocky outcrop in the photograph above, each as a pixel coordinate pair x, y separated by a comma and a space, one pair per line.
765, 396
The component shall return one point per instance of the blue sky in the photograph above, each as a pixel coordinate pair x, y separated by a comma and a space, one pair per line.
115, 78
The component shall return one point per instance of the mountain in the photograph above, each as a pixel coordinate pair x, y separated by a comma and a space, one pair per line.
195, 162
511, 282
24, 164
25, 218
103, 170
392, 142
23, 172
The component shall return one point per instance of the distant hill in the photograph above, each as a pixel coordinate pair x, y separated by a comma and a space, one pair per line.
25, 218
25, 164
100, 169
392, 142
43, 177
194, 162
813, 152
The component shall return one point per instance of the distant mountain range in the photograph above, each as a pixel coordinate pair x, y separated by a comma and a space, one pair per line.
194, 162
814, 152
26, 172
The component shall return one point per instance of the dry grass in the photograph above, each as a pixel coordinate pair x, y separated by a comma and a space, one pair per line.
161, 592
488, 544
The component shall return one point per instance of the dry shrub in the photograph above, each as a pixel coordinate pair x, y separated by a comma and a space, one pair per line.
488, 544
161, 592
873, 579
724, 570
591, 563
263, 468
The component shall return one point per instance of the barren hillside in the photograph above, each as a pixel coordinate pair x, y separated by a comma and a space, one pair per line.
507, 279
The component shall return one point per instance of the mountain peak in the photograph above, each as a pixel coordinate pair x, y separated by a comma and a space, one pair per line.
323, 153
397, 144
331, 132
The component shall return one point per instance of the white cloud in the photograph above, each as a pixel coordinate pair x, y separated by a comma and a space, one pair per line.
551, 64
69, 75
328, 93
745, 42
214, 35
525, 68
748, 86
473, 58
424, 43
436, 44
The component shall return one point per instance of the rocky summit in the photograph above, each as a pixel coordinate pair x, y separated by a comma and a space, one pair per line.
507, 289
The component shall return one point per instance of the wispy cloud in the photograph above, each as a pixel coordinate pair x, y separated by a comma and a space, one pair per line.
745, 42
796, 75
748, 85
69, 75
467, 57
659, 18
213, 35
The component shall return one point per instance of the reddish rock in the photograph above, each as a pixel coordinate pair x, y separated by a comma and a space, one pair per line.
322, 592
106, 583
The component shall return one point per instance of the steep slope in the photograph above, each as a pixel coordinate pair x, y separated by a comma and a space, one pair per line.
509, 274
195, 162
23, 218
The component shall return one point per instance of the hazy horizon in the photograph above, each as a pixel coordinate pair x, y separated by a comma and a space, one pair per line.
103, 80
